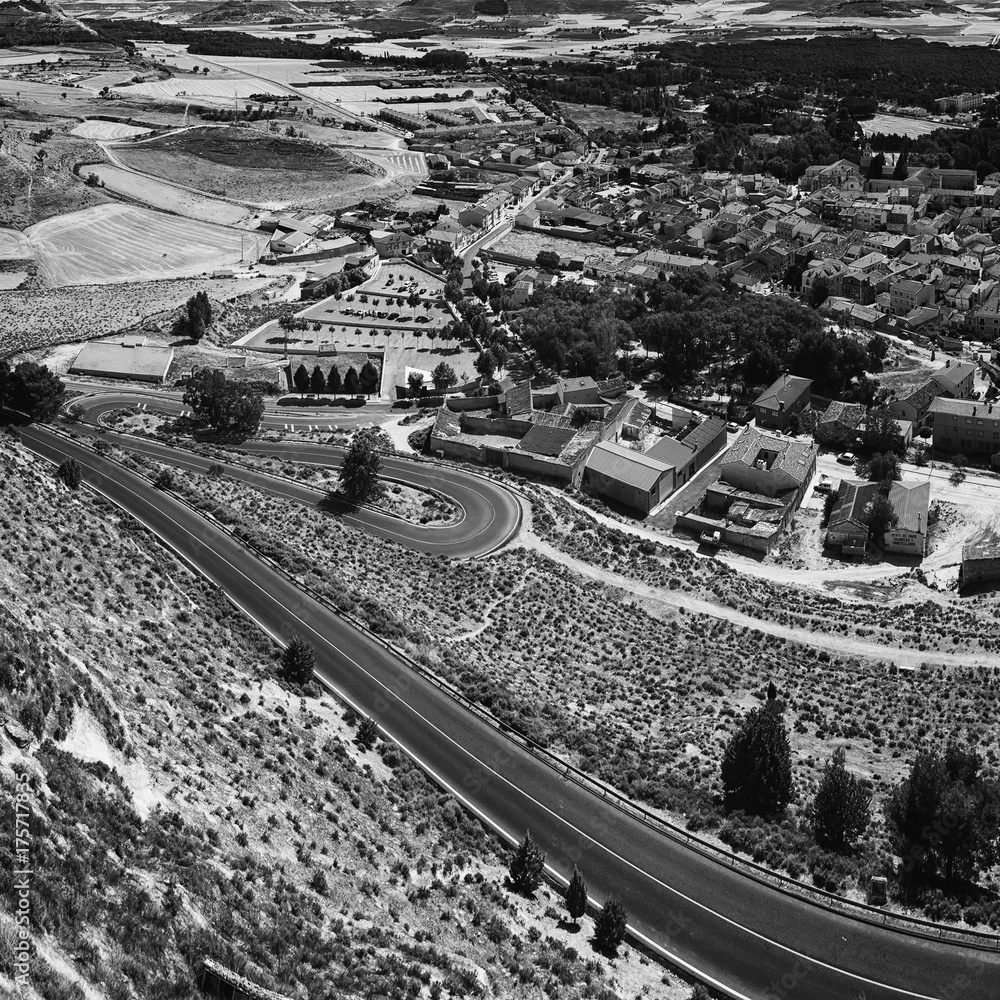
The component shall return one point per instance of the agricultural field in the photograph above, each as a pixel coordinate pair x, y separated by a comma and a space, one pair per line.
114, 243
252, 166
14, 245
160, 729
217, 91
167, 197
108, 131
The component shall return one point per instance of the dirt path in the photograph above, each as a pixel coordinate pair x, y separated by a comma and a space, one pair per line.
661, 602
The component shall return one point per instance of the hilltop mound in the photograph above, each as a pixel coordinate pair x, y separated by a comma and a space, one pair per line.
36, 22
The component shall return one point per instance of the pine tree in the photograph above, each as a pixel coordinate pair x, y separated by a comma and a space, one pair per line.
841, 808
298, 661
609, 927
352, 383
576, 896
301, 379
334, 385
527, 864
317, 382
757, 765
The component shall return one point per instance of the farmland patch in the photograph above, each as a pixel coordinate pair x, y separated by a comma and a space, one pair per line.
112, 243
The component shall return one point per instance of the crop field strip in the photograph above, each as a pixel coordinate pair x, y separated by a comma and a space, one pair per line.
115, 243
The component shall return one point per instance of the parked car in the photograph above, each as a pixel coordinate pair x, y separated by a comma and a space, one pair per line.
825, 484
732, 427
847, 458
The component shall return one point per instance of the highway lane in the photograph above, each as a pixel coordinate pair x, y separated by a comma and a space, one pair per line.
490, 514
691, 907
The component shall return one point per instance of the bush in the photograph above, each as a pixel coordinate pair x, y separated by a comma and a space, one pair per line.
609, 927
70, 473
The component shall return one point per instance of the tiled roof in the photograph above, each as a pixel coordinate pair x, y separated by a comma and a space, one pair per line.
852, 499
704, 434
785, 389
518, 399
541, 440
791, 457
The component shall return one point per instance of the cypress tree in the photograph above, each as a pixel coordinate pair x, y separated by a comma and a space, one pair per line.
301, 379
841, 808
576, 896
298, 661
757, 765
317, 382
526, 867
334, 385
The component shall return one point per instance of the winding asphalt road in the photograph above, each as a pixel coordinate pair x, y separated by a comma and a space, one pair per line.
760, 943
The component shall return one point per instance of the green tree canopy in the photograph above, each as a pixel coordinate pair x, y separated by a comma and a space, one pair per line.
334, 385
841, 809
298, 661
944, 818
359, 472
317, 381
882, 467
352, 384
880, 516
195, 317
32, 389
610, 927
526, 867
444, 376
757, 765
882, 433
230, 409
301, 379
576, 896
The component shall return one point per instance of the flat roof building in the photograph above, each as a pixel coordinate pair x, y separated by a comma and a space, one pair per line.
124, 360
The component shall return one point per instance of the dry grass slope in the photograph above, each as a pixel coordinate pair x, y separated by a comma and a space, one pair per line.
237, 820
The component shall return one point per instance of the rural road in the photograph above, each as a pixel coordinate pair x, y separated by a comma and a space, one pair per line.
490, 514
758, 942
97, 400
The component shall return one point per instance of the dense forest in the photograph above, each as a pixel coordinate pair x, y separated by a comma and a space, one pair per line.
238, 43
860, 71
695, 326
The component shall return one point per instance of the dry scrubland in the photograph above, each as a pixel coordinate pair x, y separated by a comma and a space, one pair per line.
55, 189
39, 318
634, 691
249, 166
237, 820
